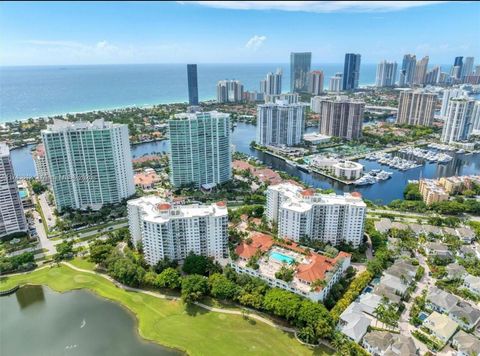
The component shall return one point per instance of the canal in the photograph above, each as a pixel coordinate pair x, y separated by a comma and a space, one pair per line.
382, 192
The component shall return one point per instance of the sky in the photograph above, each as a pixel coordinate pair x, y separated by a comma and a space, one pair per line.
63, 33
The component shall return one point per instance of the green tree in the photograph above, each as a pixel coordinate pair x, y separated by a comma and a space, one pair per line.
221, 287
169, 278
164, 264
64, 251
195, 264
194, 287
100, 251
126, 271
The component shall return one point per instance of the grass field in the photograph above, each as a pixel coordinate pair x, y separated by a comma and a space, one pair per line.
171, 323
82, 263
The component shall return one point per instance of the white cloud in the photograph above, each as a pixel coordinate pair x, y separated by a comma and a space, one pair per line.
255, 42
315, 6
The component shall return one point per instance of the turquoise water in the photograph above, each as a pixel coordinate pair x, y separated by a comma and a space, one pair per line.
22, 193
282, 258
48, 90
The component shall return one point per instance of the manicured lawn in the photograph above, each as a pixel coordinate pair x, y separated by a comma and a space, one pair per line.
171, 323
82, 263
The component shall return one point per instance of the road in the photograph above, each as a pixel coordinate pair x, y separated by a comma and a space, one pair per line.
369, 252
51, 219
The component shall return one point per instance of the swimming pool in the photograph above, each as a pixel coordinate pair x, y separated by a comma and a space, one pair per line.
282, 258
22, 193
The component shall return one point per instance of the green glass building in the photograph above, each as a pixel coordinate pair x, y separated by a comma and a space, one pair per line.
200, 149
90, 164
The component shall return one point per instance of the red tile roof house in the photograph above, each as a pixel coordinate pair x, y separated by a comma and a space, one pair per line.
314, 274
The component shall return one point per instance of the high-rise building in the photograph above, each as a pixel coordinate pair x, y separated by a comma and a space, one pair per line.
407, 73
339, 116
192, 84
300, 63
315, 82
336, 83
433, 76
386, 74
421, 71
467, 68
457, 67
351, 71
173, 231
40, 163
328, 218
280, 123
272, 84
200, 151
447, 95
229, 91
12, 217
290, 98
416, 107
90, 164
463, 114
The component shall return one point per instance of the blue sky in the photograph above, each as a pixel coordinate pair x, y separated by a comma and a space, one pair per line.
239, 32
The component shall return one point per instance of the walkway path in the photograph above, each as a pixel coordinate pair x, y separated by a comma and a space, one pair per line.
201, 305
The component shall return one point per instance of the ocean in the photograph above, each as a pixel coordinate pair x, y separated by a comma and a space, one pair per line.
35, 91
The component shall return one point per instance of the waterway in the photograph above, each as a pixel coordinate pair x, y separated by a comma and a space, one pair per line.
38, 321
382, 192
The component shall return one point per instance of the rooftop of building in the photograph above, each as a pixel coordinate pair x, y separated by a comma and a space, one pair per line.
62, 125
4, 150
200, 115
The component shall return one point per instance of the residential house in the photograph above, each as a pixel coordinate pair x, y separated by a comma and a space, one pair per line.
353, 322
455, 271
472, 283
438, 249
383, 343
440, 326
466, 344
466, 234
465, 314
440, 301
383, 225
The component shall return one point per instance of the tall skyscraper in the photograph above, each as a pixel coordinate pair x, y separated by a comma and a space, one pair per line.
229, 91
416, 107
315, 82
351, 71
173, 231
300, 64
463, 114
386, 74
12, 217
339, 116
457, 67
272, 84
467, 68
433, 76
336, 83
90, 164
421, 71
408, 70
192, 84
200, 149
280, 123
447, 95
40, 163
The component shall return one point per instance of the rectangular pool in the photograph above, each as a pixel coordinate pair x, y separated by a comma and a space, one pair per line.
282, 258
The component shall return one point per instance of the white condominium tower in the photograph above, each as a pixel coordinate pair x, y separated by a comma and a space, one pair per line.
447, 95
467, 67
173, 231
229, 91
12, 217
200, 149
339, 116
462, 116
336, 83
40, 162
302, 214
280, 123
386, 74
315, 82
272, 84
421, 71
407, 72
416, 107
89, 164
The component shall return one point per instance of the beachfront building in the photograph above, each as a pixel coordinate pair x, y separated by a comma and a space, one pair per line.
407, 72
315, 82
272, 84
300, 63
12, 217
340, 116
351, 71
40, 163
313, 275
200, 152
229, 91
192, 84
336, 83
173, 231
89, 164
386, 74
416, 107
330, 218
421, 71
461, 117
280, 123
